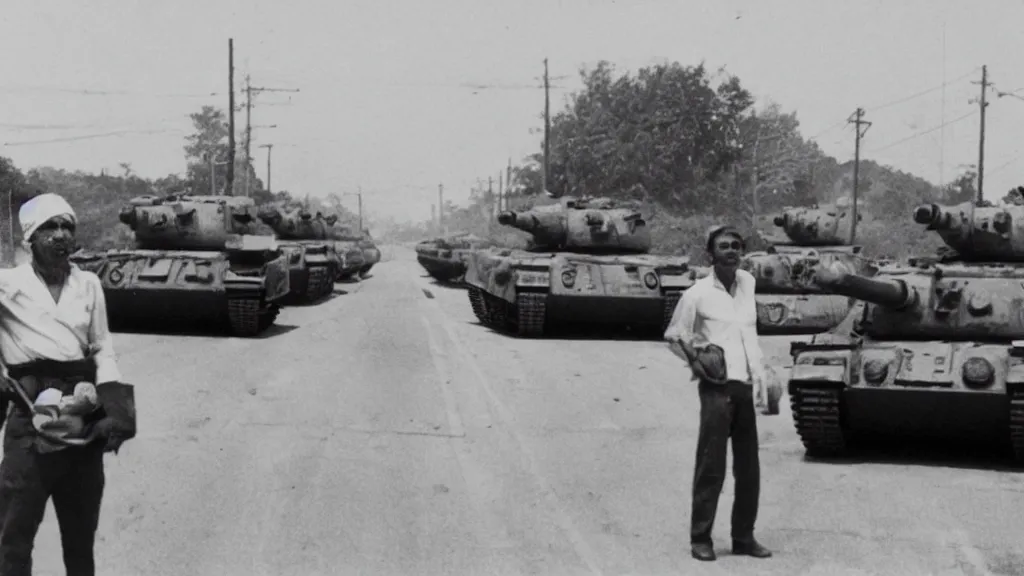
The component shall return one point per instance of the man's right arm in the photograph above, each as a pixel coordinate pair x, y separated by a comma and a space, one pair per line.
680, 331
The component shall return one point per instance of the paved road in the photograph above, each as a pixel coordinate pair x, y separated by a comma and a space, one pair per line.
385, 432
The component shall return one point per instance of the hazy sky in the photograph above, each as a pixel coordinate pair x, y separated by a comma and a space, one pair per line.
383, 103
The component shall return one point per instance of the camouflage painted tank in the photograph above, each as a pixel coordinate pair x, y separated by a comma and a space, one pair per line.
445, 258
590, 262
361, 242
935, 347
194, 261
788, 301
313, 261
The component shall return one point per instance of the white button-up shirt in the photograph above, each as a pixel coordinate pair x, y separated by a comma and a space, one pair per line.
34, 327
708, 314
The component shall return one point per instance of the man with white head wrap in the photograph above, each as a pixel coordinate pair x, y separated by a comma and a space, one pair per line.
54, 335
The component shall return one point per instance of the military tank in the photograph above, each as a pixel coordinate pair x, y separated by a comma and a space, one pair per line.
194, 261
788, 301
445, 258
361, 242
313, 261
589, 261
934, 348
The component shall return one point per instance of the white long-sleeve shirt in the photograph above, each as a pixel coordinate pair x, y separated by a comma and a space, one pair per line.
709, 314
34, 327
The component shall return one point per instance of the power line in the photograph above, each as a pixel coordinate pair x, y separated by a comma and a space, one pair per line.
923, 132
897, 102
105, 92
92, 136
922, 93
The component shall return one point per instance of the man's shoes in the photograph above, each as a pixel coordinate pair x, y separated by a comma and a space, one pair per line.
751, 548
703, 551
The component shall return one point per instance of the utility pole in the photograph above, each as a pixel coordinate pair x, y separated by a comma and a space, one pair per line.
981, 139
547, 126
250, 91
440, 208
859, 114
248, 133
490, 186
500, 187
270, 148
213, 179
359, 196
508, 183
231, 122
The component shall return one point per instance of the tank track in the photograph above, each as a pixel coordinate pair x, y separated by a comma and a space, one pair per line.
476, 300
530, 312
671, 299
497, 312
817, 415
246, 317
320, 284
1017, 423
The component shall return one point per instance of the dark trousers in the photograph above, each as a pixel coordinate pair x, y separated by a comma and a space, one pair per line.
726, 410
73, 476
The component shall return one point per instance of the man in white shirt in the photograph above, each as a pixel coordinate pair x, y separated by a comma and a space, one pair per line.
719, 309
54, 334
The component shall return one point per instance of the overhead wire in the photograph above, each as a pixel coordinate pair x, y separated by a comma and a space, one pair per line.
923, 132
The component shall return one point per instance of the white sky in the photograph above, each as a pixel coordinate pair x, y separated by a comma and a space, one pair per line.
381, 104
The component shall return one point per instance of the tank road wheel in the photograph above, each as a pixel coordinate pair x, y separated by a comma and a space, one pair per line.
671, 299
530, 312
1017, 423
477, 302
817, 415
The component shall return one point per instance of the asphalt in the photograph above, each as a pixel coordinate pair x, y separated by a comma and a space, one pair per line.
384, 431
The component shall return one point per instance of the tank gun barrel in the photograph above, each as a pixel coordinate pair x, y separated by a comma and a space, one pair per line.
936, 217
838, 278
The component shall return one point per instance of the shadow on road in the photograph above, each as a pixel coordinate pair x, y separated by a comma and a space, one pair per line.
309, 304
990, 455
198, 330
274, 331
444, 283
570, 333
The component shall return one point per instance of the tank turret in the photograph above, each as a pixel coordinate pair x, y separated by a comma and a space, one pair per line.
180, 222
789, 302
297, 224
977, 233
826, 226
596, 225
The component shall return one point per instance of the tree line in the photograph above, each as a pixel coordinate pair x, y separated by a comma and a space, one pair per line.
97, 198
689, 145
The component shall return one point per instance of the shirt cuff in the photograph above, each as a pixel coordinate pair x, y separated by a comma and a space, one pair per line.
107, 371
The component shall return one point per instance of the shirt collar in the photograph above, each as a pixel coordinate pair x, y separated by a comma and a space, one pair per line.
717, 283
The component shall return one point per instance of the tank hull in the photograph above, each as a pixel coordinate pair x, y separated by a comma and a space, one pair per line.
312, 267
839, 393
800, 314
239, 292
444, 265
788, 301
354, 260
371, 256
529, 293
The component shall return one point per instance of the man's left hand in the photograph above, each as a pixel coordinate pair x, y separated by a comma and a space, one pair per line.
760, 393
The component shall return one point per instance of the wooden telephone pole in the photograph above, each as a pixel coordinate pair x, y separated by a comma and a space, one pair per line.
231, 115
547, 127
857, 119
981, 138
